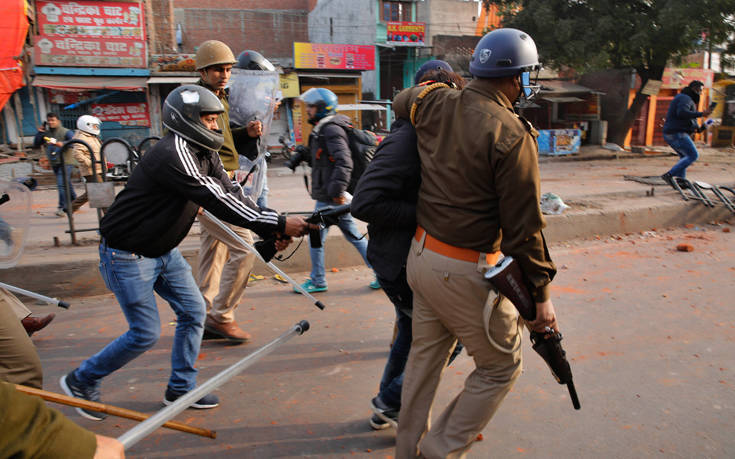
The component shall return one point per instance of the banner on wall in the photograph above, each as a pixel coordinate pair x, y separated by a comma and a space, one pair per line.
127, 114
90, 34
405, 33
678, 78
334, 57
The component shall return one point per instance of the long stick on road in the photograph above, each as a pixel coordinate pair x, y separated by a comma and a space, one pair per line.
142, 430
275, 268
109, 409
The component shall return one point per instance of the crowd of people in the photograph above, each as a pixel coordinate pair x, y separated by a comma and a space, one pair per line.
454, 184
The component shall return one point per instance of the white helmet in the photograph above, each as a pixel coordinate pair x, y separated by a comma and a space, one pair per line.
89, 124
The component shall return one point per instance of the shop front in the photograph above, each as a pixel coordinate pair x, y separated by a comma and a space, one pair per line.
91, 58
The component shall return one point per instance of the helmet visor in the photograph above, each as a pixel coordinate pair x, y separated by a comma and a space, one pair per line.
529, 88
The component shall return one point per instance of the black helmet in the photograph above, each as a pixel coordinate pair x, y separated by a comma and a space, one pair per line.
182, 112
503, 53
253, 60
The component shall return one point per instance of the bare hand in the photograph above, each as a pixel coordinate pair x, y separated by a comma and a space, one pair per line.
108, 448
297, 226
255, 128
200, 211
282, 242
545, 317
339, 199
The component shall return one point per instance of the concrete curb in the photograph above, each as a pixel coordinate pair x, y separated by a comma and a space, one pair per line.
79, 276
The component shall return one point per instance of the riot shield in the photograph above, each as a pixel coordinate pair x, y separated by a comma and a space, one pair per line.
253, 97
15, 215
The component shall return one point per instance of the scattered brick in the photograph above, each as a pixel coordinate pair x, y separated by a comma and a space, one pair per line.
685, 248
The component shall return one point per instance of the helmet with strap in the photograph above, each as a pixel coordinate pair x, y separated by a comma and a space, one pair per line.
182, 112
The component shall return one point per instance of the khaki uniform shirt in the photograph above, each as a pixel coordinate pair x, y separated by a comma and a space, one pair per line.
228, 152
479, 175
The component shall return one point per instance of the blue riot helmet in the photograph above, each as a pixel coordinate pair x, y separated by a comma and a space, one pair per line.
323, 99
504, 53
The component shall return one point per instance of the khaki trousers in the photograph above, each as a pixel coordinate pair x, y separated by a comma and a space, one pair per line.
224, 268
449, 298
19, 362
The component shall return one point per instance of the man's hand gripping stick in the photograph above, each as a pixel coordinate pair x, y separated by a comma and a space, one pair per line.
508, 279
325, 217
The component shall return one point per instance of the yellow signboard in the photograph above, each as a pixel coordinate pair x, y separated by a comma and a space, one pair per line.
290, 85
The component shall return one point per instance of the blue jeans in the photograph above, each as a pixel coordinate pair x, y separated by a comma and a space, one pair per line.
683, 145
60, 184
351, 233
133, 279
400, 294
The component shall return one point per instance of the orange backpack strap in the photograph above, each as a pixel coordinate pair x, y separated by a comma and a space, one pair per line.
421, 96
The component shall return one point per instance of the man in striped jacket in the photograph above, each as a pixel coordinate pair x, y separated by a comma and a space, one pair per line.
140, 232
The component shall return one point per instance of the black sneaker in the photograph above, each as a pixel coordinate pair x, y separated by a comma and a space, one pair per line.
384, 412
74, 388
208, 401
669, 179
378, 424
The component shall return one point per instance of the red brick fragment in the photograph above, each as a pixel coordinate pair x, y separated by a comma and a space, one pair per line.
685, 248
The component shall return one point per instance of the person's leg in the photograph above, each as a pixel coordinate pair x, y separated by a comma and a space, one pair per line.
263, 198
401, 296
131, 278
458, 298
349, 229
235, 275
176, 285
19, 362
83, 198
430, 349
318, 275
684, 146
59, 186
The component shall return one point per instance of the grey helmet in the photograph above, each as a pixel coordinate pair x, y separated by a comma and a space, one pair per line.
503, 53
253, 60
182, 112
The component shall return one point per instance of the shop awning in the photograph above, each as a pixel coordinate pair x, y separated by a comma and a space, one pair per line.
80, 83
173, 79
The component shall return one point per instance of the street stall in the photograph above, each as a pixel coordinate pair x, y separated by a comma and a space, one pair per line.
335, 67
566, 115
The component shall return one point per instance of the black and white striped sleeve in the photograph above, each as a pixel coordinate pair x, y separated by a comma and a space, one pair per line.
216, 193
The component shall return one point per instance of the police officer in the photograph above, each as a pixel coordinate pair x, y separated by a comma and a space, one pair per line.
479, 195
149, 218
224, 265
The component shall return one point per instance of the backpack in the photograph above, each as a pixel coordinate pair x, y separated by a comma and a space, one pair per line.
362, 144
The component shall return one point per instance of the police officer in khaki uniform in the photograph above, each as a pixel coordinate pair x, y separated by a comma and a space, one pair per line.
479, 195
224, 265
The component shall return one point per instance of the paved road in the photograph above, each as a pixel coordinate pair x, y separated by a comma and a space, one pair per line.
649, 330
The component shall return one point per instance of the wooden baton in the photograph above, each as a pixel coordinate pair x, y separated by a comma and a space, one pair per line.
112, 410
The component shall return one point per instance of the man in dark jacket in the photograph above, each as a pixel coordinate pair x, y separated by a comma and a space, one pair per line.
53, 135
331, 170
386, 197
680, 125
141, 230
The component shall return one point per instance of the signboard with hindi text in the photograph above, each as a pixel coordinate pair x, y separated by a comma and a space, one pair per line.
127, 114
405, 33
90, 34
333, 57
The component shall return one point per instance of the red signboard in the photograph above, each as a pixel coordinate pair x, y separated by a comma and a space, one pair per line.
329, 56
90, 34
128, 114
405, 33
